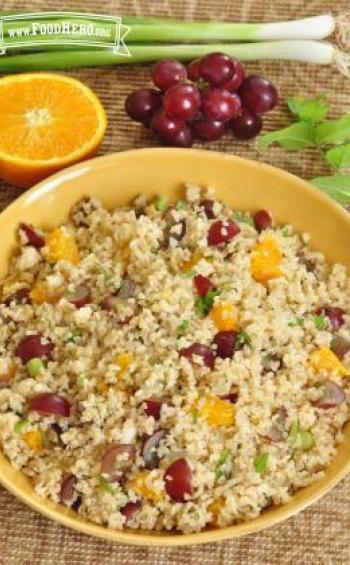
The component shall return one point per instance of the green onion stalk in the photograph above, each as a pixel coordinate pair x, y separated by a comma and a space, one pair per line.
305, 50
151, 39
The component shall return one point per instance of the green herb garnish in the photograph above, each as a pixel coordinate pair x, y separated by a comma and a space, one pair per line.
312, 110
105, 485
187, 274
320, 322
313, 130
19, 426
242, 339
181, 205
224, 455
205, 303
81, 381
182, 327
161, 204
296, 322
300, 439
286, 233
307, 440
243, 218
74, 335
260, 463
34, 366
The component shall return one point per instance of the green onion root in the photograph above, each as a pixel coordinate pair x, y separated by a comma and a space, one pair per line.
343, 31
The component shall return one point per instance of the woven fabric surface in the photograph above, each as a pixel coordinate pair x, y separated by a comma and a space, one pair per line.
319, 535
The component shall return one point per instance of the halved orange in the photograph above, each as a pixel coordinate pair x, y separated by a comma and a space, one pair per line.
47, 122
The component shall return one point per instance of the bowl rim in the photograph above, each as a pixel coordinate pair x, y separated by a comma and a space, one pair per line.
165, 539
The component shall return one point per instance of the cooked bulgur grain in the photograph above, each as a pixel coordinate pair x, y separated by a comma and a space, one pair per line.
172, 367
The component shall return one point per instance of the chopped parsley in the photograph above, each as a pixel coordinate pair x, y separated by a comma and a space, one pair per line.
205, 303
286, 233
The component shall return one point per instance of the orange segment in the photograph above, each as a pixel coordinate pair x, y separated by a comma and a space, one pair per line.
265, 260
140, 486
34, 440
217, 412
224, 316
61, 246
41, 293
324, 359
215, 509
47, 122
8, 374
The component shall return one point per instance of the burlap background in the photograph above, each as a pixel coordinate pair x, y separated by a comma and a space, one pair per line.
320, 535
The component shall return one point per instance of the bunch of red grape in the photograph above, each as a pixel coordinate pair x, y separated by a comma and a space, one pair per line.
205, 101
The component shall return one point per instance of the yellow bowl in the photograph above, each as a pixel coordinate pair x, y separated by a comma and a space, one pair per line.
246, 185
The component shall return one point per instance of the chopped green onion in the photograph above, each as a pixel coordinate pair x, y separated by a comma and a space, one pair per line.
74, 335
19, 426
187, 274
320, 322
34, 366
286, 233
205, 303
161, 204
307, 440
225, 454
182, 328
242, 339
296, 322
243, 218
300, 439
81, 381
260, 463
105, 485
294, 433
181, 205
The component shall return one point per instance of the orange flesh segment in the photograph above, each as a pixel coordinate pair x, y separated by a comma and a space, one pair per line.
44, 119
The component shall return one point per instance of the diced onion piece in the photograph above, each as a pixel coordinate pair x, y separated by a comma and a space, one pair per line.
332, 396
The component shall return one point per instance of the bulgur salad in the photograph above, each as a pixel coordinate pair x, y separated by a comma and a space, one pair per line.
172, 367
